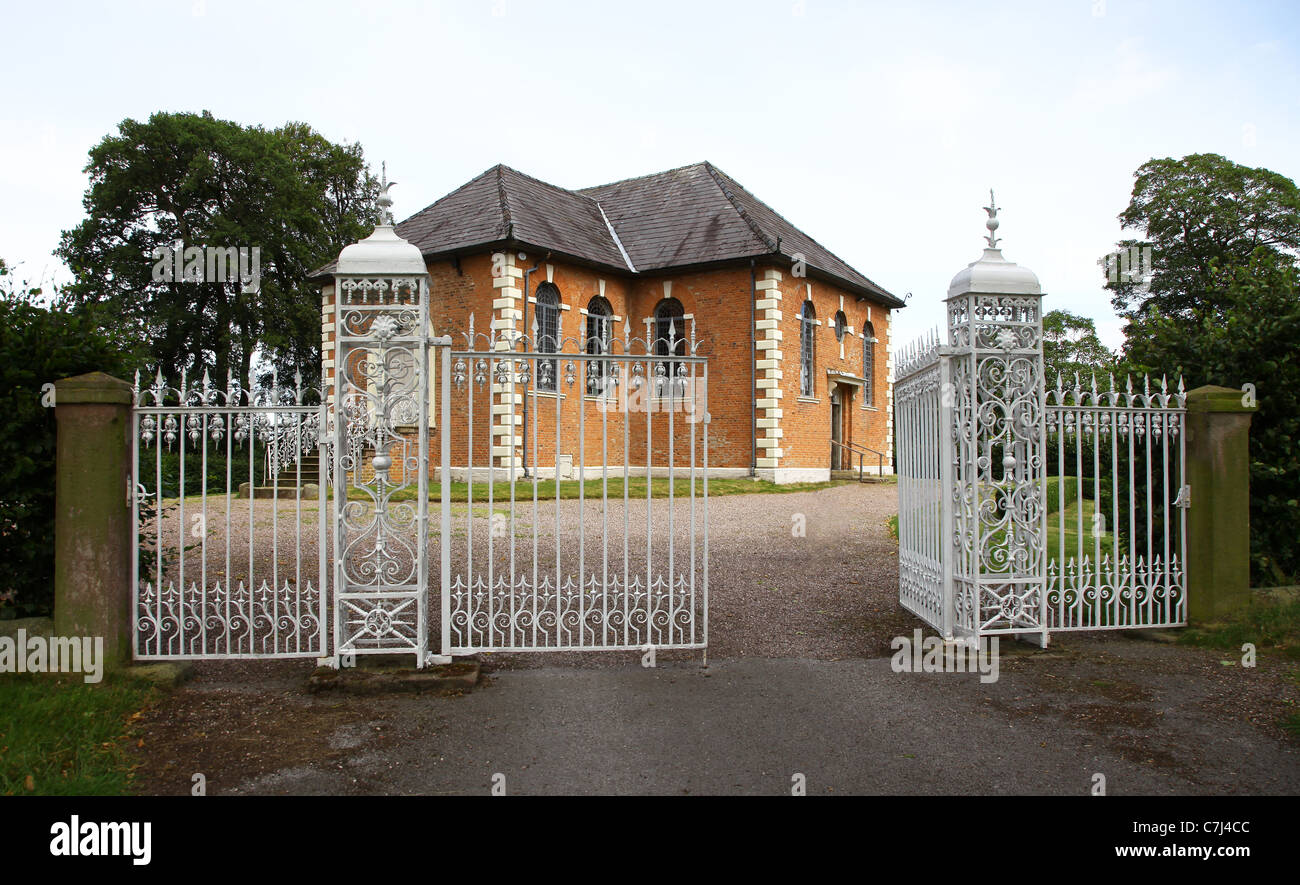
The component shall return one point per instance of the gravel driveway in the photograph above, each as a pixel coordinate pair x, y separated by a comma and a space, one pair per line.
828, 593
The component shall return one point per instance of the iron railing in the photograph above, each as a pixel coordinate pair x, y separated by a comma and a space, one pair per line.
980, 435
218, 573
861, 451
1119, 565
525, 566
536, 569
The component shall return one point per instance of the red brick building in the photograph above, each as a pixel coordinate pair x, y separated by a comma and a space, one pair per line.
798, 341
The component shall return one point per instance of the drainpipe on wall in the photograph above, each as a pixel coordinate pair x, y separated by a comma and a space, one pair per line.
753, 373
527, 275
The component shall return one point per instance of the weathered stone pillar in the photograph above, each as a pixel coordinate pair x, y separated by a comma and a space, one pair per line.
1218, 518
92, 514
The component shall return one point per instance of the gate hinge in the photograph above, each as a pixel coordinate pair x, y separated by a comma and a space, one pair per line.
1184, 499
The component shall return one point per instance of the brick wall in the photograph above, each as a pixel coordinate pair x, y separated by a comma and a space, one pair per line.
805, 421
794, 432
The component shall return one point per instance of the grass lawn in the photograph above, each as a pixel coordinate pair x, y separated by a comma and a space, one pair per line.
60, 736
1071, 518
569, 490
636, 488
1270, 624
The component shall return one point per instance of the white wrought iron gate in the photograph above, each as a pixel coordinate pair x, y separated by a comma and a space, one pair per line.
279, 523
1121, 565
230, 521
624, 565
1024, 510
922, 404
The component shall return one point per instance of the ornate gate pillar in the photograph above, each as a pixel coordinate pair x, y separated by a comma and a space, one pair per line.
997, 446
381, 383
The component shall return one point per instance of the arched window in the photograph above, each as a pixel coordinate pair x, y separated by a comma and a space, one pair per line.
670, 340
868, 364
841, 323
669, 324
807, 344
548, 334
600, 318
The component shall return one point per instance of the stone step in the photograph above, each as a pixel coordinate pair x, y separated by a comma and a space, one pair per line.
306, 469
853, 474
291, 474
288, 485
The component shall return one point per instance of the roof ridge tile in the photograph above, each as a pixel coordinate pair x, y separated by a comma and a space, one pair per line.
800, 231
507, 220
758, 232
583, 190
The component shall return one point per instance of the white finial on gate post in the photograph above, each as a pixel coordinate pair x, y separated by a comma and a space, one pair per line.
992, 223
384, 201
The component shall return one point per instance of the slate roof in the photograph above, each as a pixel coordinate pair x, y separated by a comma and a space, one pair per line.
503, 205
691, 216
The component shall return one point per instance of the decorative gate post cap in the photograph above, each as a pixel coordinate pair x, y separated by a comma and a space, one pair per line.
94, 387
993, 274
1212, 398
383, 252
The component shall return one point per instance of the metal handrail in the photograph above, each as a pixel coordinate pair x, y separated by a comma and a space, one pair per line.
861, 452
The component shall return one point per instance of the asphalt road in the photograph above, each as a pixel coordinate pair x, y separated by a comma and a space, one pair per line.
1149, 718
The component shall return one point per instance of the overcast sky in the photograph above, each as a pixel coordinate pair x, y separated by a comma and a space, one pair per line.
876, 128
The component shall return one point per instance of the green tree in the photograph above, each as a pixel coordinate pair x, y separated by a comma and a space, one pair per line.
1220, 306
41, 341
1072, 349
1247, 334
202, 182
1071, 345
1195, 214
